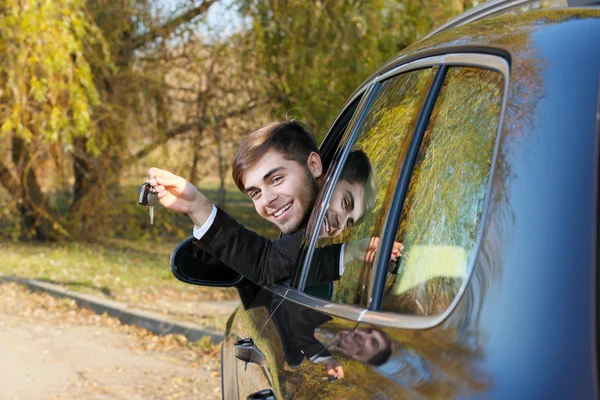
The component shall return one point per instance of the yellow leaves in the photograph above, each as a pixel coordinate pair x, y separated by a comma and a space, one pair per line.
7, 126
37, 89
49, 80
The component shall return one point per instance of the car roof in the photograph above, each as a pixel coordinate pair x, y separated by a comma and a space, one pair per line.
495, 7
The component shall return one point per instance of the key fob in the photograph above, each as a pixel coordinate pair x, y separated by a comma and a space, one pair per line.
144, 191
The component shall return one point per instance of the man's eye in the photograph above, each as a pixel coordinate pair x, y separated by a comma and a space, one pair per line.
349, 223
345, 203
277, 179
254, 194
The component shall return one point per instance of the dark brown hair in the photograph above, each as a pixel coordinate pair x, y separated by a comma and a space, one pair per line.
290, 138
358, 169
383, 355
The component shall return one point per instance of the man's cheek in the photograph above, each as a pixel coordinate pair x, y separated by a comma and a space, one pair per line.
260, 211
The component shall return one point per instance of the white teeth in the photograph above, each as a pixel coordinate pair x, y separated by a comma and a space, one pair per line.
284, 209
326, 223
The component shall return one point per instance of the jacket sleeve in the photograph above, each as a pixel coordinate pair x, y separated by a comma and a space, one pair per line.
261, 260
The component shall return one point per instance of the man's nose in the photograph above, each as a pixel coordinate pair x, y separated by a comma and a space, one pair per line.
268, 196
341, 220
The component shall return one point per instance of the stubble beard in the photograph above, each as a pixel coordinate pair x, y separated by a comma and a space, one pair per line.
308, 196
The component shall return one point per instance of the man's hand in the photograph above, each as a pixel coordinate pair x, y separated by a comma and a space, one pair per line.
365, 249
334, 369
177, 194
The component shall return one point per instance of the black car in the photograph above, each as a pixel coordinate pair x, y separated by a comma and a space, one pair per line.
484, 138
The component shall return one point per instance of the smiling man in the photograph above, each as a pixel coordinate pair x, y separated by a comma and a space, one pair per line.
279, 168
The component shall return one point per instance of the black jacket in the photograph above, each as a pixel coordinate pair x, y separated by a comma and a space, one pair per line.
262, 260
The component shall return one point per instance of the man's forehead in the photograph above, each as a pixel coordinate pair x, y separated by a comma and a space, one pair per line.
358, 192
271, 160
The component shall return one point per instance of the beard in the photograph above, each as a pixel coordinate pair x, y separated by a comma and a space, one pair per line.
307, 197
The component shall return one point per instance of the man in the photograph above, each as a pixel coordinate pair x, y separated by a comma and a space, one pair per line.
366, 345
279, 168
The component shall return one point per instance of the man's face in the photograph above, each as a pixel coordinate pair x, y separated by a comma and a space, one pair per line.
283, 191
362, 344
345, 208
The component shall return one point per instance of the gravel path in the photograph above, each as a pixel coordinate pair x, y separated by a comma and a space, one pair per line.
51, 349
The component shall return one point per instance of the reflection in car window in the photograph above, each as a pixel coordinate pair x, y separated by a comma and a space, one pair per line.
362, 193
443, 208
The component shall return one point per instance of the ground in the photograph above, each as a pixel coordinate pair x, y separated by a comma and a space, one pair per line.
51, 349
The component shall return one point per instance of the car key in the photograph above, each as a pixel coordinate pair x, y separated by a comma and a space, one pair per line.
148, 197
144, 191
152, 201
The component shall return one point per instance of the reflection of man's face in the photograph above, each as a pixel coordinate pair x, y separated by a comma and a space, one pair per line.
362, 344
283, 191
345, 208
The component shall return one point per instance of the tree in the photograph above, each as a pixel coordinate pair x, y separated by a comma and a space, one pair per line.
47, 94
314, 54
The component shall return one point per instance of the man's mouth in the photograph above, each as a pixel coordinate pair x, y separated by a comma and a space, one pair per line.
283, 209
326, 224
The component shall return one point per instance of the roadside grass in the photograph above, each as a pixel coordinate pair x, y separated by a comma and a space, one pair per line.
132, 266
131, 272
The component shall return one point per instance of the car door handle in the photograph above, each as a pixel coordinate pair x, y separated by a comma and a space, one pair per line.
248, 352
266, 394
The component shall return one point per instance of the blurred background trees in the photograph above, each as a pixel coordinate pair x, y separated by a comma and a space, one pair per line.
93, 93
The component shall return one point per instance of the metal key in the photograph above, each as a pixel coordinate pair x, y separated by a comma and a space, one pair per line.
152, 201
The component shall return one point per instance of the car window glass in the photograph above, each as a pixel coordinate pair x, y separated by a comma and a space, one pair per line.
442, 212
362, 192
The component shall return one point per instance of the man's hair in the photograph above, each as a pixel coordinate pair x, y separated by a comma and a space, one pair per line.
291, 139
384, 354
358, 169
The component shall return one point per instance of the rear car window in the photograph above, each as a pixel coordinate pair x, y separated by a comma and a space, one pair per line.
442, 214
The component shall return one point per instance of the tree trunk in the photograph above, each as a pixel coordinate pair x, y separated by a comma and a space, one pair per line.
194, 176
221, 198
33, 205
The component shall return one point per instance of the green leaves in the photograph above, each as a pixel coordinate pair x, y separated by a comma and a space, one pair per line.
315, 54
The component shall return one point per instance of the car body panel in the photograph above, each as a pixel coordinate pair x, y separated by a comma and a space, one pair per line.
525, 326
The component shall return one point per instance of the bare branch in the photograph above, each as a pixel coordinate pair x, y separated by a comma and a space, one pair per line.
167, 28
184, 128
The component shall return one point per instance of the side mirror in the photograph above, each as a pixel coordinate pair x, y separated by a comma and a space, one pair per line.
190, 264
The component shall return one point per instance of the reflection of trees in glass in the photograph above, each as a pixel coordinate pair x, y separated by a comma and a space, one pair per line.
384, 137
430, 364
442, 211
450, 365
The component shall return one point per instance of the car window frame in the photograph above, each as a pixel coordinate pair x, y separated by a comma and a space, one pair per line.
372, 314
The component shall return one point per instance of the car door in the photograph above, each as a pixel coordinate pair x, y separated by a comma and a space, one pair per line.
263, 370
412, 130
286, 340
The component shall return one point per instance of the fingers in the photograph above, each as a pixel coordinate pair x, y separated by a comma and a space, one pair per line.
399, 246
371, 250
396, 251
370, 256
336, 371
164, 177
159, 173
373, 243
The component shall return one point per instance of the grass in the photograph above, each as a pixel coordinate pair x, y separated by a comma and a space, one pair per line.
134, 269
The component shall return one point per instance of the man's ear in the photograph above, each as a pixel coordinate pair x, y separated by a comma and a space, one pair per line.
313, 162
